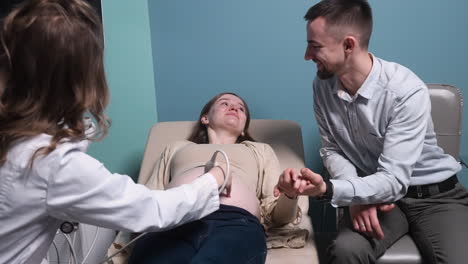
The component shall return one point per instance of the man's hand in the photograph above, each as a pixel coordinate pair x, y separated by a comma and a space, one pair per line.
365, 220
311, 184
305, 182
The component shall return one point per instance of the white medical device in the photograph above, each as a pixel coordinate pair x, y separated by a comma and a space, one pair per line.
79, 243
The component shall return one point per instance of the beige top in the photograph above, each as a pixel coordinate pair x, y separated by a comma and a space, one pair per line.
188, 163
255, 170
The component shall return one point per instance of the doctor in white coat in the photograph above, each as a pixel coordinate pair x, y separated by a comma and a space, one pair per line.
51, 68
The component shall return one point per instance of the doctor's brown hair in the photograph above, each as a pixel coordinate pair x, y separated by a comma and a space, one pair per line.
200, 133
51, 73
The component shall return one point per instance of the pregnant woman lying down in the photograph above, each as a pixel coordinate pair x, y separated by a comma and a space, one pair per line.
235, 233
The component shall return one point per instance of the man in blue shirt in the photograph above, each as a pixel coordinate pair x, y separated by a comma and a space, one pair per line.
379, 145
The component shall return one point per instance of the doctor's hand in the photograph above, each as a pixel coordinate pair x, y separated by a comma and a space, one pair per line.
365, 219
219, 173
288, 183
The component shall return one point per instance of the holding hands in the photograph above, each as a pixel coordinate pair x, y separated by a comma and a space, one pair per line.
364, 218
304, 182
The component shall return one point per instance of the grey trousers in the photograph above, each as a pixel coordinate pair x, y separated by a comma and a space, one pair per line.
438, 225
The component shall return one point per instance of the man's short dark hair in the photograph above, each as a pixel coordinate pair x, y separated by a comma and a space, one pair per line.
341, 13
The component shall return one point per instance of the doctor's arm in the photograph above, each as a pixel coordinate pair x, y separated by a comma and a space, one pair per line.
81, 189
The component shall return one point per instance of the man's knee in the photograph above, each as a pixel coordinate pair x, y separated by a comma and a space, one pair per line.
351, 248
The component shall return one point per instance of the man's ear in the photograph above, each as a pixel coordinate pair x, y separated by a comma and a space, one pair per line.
204, 120
349, 44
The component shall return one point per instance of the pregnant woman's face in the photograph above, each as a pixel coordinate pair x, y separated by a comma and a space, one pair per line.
227, 113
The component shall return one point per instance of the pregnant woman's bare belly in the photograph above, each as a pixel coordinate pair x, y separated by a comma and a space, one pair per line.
241, 196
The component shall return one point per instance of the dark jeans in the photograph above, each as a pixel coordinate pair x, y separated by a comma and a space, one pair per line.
229, 235
438, 225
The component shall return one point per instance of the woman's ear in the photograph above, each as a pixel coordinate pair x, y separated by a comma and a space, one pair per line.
204, 120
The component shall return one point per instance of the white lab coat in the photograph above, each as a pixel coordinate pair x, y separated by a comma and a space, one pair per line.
70, 185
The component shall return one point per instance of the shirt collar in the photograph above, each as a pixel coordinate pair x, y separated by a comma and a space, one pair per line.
367, 88
341, 92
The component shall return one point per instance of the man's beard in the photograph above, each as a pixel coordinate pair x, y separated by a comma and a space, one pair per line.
324, 74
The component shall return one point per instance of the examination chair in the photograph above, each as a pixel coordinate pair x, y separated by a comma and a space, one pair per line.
285, 138
447, 107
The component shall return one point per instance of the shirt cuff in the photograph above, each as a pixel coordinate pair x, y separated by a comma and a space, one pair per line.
343, 193
208, 182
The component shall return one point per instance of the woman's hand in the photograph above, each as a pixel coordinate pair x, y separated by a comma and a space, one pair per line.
288, 183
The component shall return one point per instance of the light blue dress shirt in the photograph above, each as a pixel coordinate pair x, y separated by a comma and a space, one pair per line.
380, 141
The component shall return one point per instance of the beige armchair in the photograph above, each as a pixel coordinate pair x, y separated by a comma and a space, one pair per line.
447, 107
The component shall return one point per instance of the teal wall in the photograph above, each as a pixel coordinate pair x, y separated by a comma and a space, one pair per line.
256, 48
196, 49
130, 74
